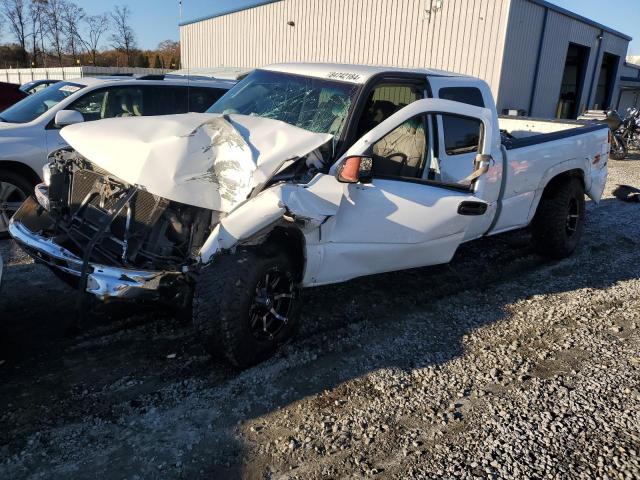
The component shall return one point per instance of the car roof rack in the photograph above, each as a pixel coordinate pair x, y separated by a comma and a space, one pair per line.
151, 77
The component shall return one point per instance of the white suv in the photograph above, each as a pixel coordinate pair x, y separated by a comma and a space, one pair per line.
30, 129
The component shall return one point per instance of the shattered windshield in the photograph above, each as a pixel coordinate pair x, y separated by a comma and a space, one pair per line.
314, 104
35, 105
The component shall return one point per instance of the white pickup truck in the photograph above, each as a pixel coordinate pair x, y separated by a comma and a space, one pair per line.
302, 175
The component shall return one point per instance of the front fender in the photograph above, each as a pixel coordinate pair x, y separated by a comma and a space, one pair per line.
245, 221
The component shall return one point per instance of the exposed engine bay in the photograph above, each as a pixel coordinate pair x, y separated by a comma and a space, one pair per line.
102, 218
123, 225
135, 212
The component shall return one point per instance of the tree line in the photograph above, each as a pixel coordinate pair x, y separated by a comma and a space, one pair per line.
60, 33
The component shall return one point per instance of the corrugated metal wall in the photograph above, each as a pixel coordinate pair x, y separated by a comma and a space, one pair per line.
465, 36
521, 54
526, 21
497, 40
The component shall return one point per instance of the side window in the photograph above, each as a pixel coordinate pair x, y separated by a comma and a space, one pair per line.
110, 102
402, 152
124, 102
461, 135
91, 105
468, 95
385, 100
166, 100
200, 99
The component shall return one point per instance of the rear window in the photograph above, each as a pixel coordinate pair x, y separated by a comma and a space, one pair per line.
468, 95
171, 100
40, 102
461, 135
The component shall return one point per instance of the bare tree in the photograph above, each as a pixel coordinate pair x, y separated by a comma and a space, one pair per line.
15, 12
37, 14
96, 27
123, 38
170, 50
55, 27
72, 17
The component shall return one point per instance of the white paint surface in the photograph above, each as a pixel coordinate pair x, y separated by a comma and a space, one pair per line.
205, 160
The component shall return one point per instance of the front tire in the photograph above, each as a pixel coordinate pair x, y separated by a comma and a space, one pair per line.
14, 189
559, 221
245, 306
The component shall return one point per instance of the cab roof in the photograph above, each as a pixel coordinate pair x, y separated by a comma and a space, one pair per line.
159, 80
358, 74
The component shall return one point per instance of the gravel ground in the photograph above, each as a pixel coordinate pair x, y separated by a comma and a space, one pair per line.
501, 365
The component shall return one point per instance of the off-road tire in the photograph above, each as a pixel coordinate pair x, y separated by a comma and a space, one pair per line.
552, 235
222, 301
23, 183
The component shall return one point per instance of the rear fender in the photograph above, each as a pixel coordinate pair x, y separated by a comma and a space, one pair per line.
574, 167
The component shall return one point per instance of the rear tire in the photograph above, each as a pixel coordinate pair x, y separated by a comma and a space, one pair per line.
14, 189
234, 303
559, 221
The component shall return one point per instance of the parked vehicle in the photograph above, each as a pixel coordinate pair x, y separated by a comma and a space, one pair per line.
36, 85
619, 148
302, 175
30, 130
630, 129
10, 94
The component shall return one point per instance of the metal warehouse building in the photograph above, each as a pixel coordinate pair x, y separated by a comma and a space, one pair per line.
630, 85
538, 58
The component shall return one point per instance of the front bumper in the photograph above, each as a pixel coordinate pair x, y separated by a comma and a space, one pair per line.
103, 281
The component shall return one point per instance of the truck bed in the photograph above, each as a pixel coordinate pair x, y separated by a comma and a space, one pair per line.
519, 132
535, 151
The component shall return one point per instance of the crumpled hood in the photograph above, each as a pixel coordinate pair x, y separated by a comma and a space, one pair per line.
206, 160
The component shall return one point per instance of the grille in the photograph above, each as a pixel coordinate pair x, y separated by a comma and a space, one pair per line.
83, 182
146, 208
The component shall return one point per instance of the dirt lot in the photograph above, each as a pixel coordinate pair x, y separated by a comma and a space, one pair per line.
500, 365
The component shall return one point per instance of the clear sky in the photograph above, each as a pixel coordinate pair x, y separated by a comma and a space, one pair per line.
157, 20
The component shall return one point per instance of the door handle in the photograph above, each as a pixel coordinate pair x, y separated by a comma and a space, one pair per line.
470, 208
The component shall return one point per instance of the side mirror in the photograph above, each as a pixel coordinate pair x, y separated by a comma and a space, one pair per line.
68, 117
355, 170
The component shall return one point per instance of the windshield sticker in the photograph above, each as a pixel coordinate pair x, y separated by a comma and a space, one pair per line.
353, 77
69, 88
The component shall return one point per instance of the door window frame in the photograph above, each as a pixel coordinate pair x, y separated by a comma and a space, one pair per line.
350, 132
427, 149
425, 181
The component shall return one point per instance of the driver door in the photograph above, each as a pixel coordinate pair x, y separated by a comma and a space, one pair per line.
401, 219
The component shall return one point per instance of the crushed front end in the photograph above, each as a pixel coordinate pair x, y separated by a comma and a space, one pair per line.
113, 239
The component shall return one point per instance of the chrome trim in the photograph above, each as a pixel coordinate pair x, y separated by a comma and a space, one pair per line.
103, 281
42, 195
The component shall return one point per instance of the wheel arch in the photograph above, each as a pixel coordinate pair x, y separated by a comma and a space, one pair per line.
290, 239
554, 179
22, 169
